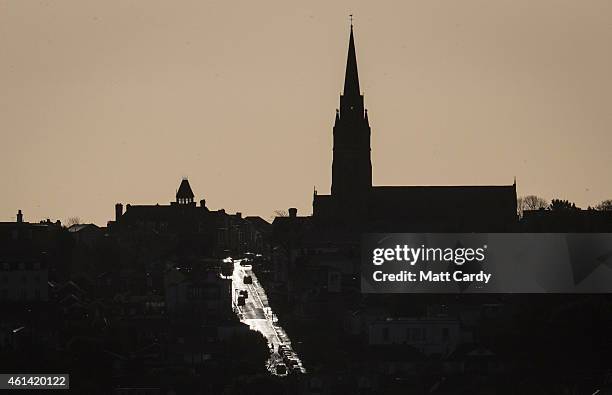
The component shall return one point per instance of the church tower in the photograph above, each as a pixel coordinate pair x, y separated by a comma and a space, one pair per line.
352, 166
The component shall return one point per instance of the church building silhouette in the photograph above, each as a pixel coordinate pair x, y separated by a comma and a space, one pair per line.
356, 203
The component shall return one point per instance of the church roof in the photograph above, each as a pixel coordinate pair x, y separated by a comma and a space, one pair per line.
433, 208
477, 208
184, 191
443, 198
443, 195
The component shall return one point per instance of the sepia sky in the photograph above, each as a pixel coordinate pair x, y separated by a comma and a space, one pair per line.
114, 101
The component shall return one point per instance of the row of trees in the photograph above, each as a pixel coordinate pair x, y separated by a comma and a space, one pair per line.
533, 202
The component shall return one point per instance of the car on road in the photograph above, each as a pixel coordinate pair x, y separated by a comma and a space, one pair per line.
241, 301
248, 280
244, 293
292, 362
281, 369
284, 351
227, 267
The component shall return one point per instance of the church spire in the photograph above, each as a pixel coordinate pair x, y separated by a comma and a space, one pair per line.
351, 163
351, 79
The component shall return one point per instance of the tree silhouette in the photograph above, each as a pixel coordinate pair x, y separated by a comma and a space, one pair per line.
605, 205
562, 205
530, 202
73, 221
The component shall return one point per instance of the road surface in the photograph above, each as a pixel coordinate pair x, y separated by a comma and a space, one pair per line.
259, 316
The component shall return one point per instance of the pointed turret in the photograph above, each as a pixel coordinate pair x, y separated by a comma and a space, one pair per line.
184, 195
351, 78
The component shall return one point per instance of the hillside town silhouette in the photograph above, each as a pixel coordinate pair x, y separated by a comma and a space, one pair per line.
178, 298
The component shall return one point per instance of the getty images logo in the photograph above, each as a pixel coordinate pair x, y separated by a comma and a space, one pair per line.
413, 255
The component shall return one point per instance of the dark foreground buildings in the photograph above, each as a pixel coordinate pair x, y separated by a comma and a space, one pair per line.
143, 306
424, 344
212, 233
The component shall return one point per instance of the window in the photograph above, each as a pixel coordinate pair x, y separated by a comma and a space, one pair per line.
196, 293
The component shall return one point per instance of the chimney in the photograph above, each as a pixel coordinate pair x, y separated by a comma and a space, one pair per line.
19, 217
118, 211
203, 203
239, 214
292, 212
